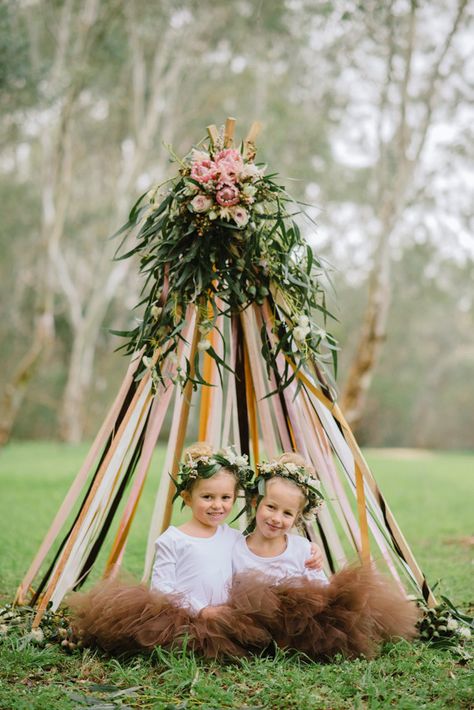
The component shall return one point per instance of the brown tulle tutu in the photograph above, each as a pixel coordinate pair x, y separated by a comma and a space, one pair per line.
122, 617
352, 616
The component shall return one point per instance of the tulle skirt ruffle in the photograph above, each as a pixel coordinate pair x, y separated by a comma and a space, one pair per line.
352, 615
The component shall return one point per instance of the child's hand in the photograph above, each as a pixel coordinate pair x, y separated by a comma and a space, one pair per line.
211, 612
316, 559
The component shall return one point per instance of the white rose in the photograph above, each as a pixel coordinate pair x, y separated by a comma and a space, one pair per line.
303, 321
464, 632
240, 216
452, 624
201, 203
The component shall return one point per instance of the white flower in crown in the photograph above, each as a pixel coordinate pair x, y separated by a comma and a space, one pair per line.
464, 632
235, 459
303, 321
452, 624
292, 467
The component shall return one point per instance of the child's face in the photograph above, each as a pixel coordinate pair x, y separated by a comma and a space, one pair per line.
211, 499
278, 509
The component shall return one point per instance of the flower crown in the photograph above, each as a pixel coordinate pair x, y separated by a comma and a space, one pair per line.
205, 466
291, 471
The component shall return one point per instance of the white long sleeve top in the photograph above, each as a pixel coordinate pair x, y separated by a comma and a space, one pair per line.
289, 563
198, 568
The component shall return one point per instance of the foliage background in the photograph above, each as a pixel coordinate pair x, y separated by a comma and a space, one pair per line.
366, 114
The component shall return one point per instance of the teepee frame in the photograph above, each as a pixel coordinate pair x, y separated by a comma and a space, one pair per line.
246, 408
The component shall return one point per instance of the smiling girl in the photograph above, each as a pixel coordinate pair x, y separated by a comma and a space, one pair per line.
351, 614
277, 508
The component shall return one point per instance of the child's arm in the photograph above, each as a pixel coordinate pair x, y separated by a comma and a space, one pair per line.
315, 562
164, 568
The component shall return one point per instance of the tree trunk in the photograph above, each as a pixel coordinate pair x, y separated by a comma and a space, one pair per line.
146, 119
393, 175
15, 390
372, 338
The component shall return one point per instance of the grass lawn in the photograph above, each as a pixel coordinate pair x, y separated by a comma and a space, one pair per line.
430, 494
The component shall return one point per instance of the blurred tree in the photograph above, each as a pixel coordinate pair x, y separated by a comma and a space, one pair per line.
404, 114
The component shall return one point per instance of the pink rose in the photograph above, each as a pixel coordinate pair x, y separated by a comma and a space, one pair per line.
204, 170
201, 203
240, 216
227, 195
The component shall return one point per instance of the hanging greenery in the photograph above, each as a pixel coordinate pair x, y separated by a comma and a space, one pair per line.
223, 233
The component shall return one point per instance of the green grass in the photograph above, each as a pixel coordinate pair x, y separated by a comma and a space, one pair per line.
431, 497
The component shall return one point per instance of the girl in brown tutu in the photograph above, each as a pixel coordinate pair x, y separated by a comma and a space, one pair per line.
191, 575
352, 613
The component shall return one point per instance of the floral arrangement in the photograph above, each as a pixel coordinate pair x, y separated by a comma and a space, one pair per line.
293, 472
223, 187
222, 233
205, 466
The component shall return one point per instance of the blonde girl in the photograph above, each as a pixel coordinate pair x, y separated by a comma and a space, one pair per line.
351, 614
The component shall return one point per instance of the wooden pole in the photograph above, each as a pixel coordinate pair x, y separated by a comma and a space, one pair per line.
229, 132
249, 142
213, 133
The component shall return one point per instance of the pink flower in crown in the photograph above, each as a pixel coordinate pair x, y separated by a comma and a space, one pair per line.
227, 195
230, 164
204, 170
